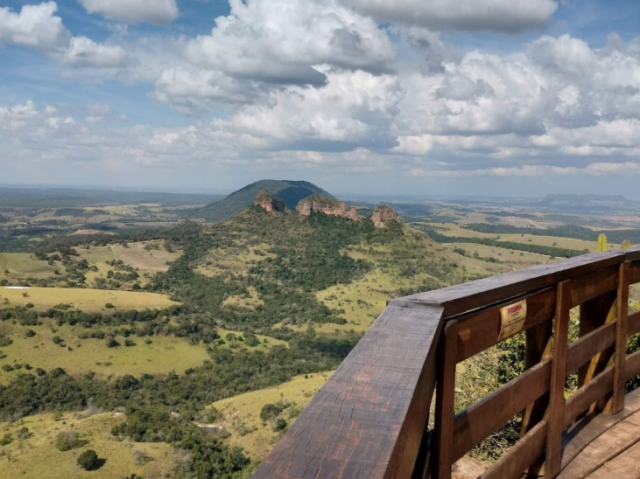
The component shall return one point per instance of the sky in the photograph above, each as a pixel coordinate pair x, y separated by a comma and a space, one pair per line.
405, 97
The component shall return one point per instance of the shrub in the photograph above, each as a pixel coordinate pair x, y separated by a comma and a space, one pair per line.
30, 333
67, 440
129, 342
280, 425
56, 339
7, 439
5, 341
88, 460
112, 343
7, 368
109, 306
23, 433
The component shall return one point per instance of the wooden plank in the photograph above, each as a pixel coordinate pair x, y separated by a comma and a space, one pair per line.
524, 453
625, 465
476, 294
589, 345
369, 417
558, 376
588, 394
475, 424
480, 330
634, 272
445, 402
538, 349
620, 356
633, 324
585, 431
594, 314
614, 440
592, 285
632, 368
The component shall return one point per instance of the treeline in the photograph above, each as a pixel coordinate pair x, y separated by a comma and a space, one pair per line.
564, 231
227, 374
529, 248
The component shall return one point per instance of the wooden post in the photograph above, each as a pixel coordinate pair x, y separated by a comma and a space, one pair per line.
558, 375
593, 314
445, 402
616, 404
538, 349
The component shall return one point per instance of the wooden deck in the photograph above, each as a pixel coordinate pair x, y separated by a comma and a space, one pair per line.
604, 446
371, 418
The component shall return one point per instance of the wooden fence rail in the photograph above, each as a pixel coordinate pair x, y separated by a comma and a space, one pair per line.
370, 419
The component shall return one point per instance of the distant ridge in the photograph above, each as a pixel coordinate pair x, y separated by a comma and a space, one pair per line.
588, 202
290, 191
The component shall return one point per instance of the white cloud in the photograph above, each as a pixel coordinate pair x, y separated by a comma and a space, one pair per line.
509, 16
160, 12
283, 42
37, 27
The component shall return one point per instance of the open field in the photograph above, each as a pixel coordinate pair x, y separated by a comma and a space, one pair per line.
24, 265
242, 344
510, 258
238, 259
164, 354
83, 299
242, 413
452, 229
137, 256
37, 456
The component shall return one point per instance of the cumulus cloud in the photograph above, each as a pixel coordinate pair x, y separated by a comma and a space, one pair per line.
37, 27
510, 16
283, 42
161, 12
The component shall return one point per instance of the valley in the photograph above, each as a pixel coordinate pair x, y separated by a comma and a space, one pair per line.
151, 327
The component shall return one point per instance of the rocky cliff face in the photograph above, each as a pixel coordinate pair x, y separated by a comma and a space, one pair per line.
267, 201
382, 215
326, 206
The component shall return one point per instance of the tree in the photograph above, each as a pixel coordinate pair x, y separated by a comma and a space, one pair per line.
88, 460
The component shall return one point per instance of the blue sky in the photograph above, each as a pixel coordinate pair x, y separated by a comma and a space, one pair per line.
483, 97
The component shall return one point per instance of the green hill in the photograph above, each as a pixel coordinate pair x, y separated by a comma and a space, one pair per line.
290, 191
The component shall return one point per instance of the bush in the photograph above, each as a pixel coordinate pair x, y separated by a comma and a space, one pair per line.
112, 343
7, 368
30, 333
88, 460
7, 439
56, 339
109, 306
5, 341
129, 342
280, 425
23, 433
67, 440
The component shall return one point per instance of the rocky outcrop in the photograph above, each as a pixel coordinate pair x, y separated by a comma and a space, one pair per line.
326, 206
382, 215
267, 201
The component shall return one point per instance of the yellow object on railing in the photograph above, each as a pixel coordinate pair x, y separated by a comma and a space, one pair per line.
602, 242
626, 244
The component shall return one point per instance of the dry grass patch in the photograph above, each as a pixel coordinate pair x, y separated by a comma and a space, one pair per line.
37, 457
241, 414
87, 300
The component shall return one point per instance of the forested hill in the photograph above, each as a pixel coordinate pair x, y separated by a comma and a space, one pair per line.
290, 191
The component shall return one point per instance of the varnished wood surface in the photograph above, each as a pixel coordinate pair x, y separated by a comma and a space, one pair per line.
368, 419
476, 294
605, 446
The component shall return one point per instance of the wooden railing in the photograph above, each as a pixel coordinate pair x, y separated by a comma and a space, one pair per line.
370, 420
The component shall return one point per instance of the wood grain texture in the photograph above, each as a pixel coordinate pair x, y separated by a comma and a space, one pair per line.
585, 348
368, 419
476, 423
587, 395
558, 376
524, 453
476, 294
633, 324
620, 356
445, 402
479, 331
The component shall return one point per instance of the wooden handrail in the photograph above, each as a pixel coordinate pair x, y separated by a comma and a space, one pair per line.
370, 419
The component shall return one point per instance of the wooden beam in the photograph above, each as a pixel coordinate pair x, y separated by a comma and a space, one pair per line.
369, 417
476, 423
558, 376
476, 294
445, 400
585, 348
620, 356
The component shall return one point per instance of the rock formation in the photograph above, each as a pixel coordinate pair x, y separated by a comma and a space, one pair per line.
382, 215
267, 201
326, 206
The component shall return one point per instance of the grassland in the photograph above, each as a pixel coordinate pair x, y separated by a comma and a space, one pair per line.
88, 300
266, 342
241, 413
17, 266
237, 259
145, 255
164, 354
37, 456
452, 229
